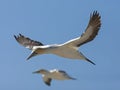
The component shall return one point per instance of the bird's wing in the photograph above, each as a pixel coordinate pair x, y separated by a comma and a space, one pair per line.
27, 42
61, 71
47, 80
66, 75
90, 32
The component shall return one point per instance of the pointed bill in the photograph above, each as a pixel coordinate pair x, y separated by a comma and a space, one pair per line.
32, 55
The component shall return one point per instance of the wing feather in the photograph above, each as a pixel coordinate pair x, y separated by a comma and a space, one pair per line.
90, 32
27, 42
47, 80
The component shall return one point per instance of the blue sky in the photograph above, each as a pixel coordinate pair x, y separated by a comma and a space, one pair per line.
56, 21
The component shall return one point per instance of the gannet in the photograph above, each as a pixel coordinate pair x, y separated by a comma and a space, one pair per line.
53, 74
68, 49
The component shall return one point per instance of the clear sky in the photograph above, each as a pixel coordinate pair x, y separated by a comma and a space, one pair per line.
56, 21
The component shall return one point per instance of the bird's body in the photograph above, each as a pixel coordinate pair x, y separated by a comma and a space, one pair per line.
60, 50
53, 74
68, 49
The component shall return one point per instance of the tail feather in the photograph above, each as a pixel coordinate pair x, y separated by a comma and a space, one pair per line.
90, 61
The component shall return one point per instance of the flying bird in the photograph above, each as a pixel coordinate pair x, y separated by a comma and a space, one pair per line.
68, 49
53, 74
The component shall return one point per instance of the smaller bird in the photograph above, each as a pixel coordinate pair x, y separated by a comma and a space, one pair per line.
53, 74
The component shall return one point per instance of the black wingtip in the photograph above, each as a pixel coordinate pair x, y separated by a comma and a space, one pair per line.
20, 34
15, 37
90, 61
48, 84
95, 13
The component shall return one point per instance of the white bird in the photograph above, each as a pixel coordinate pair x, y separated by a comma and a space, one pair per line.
53, 74
68, 49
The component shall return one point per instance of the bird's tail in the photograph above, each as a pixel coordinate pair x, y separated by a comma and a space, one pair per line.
90, 61
73, 78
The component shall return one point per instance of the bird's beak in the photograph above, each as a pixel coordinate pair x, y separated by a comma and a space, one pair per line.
36, 72
32, 55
